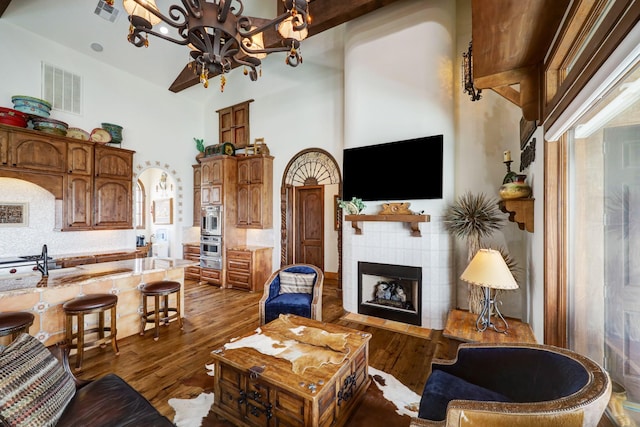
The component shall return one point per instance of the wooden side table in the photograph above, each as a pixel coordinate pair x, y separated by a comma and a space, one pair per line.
461, 325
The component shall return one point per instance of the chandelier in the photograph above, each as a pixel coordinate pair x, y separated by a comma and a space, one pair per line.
218, 35
467, 75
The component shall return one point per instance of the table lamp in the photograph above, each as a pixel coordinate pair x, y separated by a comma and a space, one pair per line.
489, 270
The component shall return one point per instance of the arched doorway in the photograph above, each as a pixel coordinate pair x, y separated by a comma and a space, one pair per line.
162, 207
311, 186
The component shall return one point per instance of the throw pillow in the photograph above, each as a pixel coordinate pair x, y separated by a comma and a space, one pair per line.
296, 283
34, 387
442, 387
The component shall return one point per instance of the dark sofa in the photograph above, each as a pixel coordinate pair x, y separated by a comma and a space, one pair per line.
38, 389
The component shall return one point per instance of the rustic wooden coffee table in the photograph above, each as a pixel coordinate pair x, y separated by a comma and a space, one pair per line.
256, 389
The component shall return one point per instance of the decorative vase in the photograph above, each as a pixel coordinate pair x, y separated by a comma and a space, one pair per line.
516, 189
199, 156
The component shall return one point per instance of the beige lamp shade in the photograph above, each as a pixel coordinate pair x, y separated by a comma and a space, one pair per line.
488, 269
285, 29
134, 8
254, 43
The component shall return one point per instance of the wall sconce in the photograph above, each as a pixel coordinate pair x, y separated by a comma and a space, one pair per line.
467, 74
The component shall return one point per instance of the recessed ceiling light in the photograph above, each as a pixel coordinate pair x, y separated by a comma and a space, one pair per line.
164, 30
97, 47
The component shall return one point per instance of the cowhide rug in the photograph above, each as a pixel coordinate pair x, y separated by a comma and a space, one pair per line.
386, 403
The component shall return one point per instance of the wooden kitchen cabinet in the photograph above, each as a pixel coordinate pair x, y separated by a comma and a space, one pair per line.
79, 186
191, 251
80, 158
211, 276
78, 200
255, 192
37, 152
219, 176
94, 182
112, 203
113, 162
197, 195
113, 195
248, 267
4, 148
234, 124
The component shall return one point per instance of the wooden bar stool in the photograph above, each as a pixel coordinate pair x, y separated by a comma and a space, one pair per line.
162, 288
15, 322
90, 304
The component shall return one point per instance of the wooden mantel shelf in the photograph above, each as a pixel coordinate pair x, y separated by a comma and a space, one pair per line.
520, 211
413, 220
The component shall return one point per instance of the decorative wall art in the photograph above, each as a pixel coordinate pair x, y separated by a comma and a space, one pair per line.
14, 214
163, 211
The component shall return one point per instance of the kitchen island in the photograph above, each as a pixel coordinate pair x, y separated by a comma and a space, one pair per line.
44, 296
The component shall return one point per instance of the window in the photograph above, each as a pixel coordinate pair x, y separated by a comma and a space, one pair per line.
139, 219
604, 238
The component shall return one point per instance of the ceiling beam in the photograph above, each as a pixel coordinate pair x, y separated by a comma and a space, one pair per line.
3, 6
325, 14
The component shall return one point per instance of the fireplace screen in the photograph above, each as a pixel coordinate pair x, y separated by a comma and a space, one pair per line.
390, 292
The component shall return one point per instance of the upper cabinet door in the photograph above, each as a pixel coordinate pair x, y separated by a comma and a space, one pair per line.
80, 158
37, 152
234, 124
113, 162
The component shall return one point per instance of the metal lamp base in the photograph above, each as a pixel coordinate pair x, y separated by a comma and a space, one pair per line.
489, 308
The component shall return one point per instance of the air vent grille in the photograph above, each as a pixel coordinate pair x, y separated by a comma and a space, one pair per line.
62, 89
106, 11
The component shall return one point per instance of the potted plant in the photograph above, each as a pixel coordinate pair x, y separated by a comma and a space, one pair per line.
200, 147
471, 218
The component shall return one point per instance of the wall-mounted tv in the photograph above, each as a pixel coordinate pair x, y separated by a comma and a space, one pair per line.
401, 170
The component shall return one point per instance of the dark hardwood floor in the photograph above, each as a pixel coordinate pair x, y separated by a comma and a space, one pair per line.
173, 366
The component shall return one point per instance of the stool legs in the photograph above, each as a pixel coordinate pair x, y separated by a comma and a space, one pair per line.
113, 332
79, 336
161, 312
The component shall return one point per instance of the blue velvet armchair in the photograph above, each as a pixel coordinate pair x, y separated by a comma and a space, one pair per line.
514, 385
293, 289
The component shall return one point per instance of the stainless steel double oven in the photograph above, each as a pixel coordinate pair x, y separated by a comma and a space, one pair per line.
211, 237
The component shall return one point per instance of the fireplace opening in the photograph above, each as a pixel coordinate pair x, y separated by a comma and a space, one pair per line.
392, 292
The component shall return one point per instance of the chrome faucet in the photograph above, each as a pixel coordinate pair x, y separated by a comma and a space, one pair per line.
44, 268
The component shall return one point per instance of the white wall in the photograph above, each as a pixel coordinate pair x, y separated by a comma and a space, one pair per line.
484, 130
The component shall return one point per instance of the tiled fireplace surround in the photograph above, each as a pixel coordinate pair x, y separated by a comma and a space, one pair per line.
392, 243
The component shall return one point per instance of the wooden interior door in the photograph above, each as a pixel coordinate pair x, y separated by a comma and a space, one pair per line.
309, 225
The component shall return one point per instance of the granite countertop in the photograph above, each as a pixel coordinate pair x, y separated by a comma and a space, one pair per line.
67, 276
96, 253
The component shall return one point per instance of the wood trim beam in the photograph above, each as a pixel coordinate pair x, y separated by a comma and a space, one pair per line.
509, 93
325, 15
504, 78
3, 6
555, 244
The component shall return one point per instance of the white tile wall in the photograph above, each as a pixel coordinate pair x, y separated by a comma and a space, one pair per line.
392, 243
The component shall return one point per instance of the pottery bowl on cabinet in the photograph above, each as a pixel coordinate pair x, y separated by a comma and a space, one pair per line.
12, 117
52, 126
115, 131
31, 105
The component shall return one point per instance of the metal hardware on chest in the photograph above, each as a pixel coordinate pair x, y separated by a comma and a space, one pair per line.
253, 409
346, 392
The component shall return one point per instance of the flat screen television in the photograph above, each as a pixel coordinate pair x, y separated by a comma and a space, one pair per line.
401, 170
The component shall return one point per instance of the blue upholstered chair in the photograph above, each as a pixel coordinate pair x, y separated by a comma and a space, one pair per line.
523, 385
293, 289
